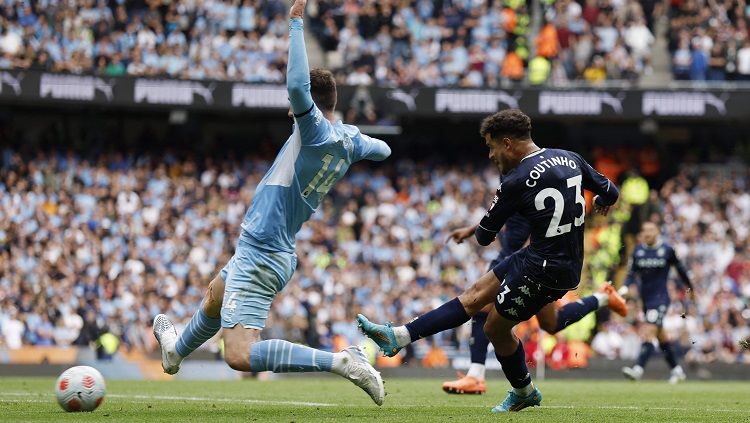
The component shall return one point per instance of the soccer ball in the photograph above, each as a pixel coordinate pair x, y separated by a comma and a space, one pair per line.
80, 388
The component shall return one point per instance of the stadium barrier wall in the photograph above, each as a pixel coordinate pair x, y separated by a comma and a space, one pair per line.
699, 103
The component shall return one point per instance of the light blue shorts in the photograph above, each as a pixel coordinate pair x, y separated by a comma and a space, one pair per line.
252, 278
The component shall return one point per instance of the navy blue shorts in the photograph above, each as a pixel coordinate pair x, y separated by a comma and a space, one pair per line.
520, 296
655, 313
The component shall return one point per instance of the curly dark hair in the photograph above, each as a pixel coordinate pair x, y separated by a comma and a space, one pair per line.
323, 89
511, 123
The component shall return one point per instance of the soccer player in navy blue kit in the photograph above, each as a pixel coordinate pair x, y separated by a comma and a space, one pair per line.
649, 271
546, 187
512, 238
315, 156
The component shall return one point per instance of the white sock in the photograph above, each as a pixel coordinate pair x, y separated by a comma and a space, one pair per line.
476, 371
525, 391
602, 298
338, 365
403, 337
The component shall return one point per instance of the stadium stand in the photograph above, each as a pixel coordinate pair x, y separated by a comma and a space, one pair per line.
388, 43
474, 44
709, 40
94, 244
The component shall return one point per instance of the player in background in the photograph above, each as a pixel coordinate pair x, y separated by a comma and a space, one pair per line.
546, 187
551, 319
649, 271
316, 155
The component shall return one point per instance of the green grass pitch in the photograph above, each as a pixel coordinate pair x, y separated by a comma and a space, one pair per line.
409, 400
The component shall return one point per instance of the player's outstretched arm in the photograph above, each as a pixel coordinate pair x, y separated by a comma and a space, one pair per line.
459, 235
298, 70
683, 274
502, 208
630, 278
606, 191
369, 148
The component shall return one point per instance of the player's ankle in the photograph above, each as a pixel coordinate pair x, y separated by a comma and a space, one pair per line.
525, 391
403, 337
476, 370
340, 363
602, 298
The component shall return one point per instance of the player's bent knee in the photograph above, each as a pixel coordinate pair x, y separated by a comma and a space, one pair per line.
652, 331
547, 318
237, 358
480, 294
497, 331
237, 343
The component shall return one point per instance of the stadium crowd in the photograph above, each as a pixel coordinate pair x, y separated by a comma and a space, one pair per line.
478, 43
107, 243
389, 42
710, 40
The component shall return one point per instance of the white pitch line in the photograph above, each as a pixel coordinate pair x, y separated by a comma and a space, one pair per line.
233, 400
180, 398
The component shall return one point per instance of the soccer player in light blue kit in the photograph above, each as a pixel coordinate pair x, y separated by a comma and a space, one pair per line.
316, 155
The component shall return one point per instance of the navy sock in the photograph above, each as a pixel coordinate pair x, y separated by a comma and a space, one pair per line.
666, 347
447, 316
478, 342
647, 348
514, 367
574, 311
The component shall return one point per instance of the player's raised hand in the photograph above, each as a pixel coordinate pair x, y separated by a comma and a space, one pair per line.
459, 235
298, 9
602, 210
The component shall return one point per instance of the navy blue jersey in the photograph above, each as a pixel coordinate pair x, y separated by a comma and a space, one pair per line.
649, 268
512, 238
546, 188
515, 233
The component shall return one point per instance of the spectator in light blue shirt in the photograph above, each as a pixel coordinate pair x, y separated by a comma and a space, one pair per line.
247, 16
230, 17
26, 17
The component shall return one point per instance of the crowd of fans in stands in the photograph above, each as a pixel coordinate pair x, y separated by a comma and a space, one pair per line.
710, 40
108, 243
389, 42
484, 43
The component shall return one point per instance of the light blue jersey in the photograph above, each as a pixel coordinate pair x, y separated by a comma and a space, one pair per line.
316, 156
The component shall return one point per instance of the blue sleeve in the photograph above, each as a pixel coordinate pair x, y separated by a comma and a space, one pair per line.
298, 71
502, 208
368, 148
598, 184
674, 261
313, 127
630, 278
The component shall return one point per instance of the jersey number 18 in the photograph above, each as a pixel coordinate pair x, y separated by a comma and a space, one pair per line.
555, 228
